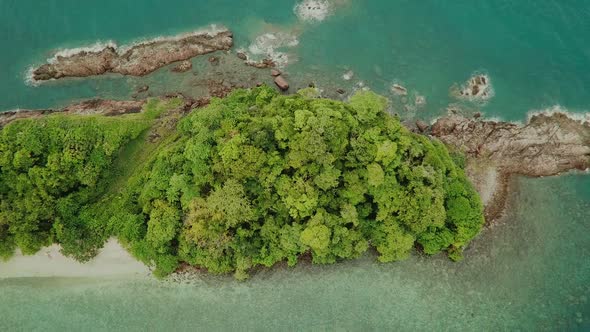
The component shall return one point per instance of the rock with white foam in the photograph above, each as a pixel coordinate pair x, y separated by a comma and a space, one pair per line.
477, 88
348, 75
136, 60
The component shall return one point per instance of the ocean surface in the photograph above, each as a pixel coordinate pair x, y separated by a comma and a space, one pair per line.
529, 272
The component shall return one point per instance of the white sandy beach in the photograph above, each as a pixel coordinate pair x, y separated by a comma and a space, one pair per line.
112, 260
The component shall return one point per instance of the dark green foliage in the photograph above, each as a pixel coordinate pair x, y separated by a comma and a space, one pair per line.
49, 169
259, 178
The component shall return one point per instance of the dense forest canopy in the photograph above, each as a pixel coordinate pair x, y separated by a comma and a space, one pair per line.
252, 179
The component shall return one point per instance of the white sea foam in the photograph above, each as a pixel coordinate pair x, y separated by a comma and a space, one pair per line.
478, 88
29, 80
348, 75
313, 10
211, 30
267, 45
581, 117
94, 48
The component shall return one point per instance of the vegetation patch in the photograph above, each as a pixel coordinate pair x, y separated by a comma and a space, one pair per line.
252, 179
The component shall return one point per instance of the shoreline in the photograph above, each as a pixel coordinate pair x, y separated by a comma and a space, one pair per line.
548, 144
112, 261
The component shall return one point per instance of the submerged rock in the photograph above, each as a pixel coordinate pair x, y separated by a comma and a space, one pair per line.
183, 67
142, 89
348, 75
264, 63
242, 56
275, 72
399, 90
138, 60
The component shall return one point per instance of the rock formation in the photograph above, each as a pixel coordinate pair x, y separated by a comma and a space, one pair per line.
546, 145
282, 83
138, 60
477, 88
93, 106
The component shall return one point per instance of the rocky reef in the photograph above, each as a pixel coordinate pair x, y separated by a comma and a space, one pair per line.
549, 144
477, 88
137, 60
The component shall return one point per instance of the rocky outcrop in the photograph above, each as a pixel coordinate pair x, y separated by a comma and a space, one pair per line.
138, 60
282, 83
477, 88
546, 145
93, 106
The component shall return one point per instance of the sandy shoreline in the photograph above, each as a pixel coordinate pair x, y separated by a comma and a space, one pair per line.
112, 261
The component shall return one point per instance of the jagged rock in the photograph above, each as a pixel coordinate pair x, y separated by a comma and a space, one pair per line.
546, 145
265, 63
422, 126
477, 87
242, 56
183, 67
138, 60
282, 83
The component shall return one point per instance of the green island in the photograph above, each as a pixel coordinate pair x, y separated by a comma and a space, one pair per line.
250, 180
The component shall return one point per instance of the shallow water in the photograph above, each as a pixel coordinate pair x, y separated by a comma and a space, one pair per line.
530, 272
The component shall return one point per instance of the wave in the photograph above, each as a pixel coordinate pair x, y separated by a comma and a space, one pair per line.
94, 48
558, 109
267, 45
211, 31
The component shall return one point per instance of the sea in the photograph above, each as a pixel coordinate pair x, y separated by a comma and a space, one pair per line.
530, 271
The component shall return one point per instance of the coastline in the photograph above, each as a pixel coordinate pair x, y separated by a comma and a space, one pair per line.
112, 261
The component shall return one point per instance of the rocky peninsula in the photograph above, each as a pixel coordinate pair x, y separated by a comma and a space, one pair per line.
548, 144
135, 60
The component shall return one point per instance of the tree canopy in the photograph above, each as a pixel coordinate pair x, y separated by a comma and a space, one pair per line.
255, 179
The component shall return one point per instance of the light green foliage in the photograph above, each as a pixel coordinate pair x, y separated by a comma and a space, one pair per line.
253, 179
259, 178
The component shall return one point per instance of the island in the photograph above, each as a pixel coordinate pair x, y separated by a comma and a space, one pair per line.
256, 178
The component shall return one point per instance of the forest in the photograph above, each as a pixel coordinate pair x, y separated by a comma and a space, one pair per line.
250, 180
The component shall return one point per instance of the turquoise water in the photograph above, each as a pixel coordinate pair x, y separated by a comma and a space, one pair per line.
531, 272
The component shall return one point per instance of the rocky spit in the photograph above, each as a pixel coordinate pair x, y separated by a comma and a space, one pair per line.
94, 106
137, 60
549, 144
